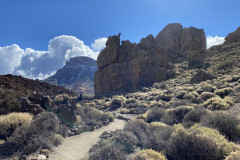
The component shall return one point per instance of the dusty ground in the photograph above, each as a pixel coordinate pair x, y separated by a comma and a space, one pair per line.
74, 148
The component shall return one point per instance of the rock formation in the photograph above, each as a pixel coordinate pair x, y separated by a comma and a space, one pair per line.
201, 76
129, 66
77, 75
233, 37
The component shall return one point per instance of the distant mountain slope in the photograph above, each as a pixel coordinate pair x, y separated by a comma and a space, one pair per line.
77, 74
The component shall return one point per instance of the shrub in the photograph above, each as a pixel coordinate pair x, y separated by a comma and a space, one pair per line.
158, 124
223, 92
190, 95
205, 87
225, 64
57, 139
184, 145
8, 101
196, 63
137, 108
140, 129
223, 144
217, 103
9, 122
233, 156
207, 95
150, 136
2, 141
193, 116
93, 117
116, 103
161, 85
124, 140
63, 130
226, 123
181, 94
31, 137
125, 111
148, 154
108, 153
163, 97
131, 100
155, 114
158, 136
188, 144
176, 115
237, 89
61, 97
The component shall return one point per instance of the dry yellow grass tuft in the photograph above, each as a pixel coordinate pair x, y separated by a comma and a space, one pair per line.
9, 122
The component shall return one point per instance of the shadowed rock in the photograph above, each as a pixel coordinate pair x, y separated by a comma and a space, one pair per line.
201, 76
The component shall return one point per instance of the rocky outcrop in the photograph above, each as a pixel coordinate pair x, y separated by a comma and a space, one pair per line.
129, 66
233, 37
201, 76
77, 75
181, 42
26, 87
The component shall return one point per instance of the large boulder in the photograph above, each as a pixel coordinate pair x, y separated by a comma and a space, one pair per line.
129, 66
201, 76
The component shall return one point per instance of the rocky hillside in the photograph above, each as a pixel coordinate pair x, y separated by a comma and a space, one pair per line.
129, 66
77, 75
175, 118
27, 87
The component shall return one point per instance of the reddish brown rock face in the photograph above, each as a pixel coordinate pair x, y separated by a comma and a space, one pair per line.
128, 66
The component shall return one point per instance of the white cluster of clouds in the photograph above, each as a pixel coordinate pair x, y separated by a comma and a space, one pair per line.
99, 44
211, 41
42, 64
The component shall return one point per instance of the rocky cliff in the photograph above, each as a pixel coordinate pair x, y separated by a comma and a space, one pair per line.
77, 74
128, 66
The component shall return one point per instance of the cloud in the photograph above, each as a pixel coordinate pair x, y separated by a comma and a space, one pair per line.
10, 58
211, 41
99, 44
42, 64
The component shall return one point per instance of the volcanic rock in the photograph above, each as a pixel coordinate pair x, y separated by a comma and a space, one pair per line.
129, 66
233, 37
201, 76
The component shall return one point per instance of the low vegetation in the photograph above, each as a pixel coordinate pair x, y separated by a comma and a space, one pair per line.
9, 122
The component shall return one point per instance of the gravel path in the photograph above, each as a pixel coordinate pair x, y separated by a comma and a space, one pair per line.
75, 147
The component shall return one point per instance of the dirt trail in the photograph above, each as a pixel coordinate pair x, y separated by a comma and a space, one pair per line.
75, 147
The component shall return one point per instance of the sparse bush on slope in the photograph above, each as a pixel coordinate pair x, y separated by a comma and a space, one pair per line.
93, 117
148, 154
31, 137
233, 156
124, 140
155, 114
176, 115
198, 143
116, 103
150, 135
9, 122
108, 153
8, 101
217, 103
226, 123
194, 116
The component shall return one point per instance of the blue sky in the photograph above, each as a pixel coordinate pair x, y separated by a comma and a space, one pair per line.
33, 23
